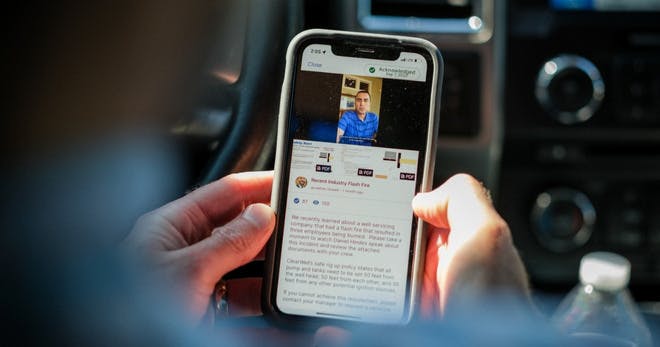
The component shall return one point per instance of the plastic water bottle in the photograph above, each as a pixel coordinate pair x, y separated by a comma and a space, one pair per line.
600, 309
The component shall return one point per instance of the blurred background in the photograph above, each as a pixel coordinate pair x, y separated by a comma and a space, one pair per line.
111, 109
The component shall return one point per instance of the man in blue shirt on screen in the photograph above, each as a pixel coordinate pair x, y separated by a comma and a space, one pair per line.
359, 126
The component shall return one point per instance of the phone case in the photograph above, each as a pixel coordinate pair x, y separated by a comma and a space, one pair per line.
268, 306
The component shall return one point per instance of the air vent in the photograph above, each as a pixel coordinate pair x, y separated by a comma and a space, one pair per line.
471, 18
422, 8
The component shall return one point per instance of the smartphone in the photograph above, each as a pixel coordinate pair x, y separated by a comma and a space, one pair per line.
357, 136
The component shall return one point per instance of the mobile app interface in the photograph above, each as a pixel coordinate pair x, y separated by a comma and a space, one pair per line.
347, 228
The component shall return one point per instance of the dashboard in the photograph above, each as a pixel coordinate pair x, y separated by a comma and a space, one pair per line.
553, 104
580, 165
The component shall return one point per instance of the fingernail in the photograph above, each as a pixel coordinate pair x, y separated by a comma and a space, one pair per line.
258, 214
419, 199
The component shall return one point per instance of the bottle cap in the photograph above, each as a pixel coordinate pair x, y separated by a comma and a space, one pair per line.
605, 271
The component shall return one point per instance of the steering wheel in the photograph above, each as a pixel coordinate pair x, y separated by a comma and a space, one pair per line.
238, 116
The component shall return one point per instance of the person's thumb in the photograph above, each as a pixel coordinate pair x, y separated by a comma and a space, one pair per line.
233, 244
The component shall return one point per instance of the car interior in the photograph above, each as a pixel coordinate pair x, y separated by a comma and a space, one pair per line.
553, 104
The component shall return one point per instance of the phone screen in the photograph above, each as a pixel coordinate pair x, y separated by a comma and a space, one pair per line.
355, 155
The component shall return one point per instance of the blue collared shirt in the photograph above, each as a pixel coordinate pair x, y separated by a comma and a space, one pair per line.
356, 131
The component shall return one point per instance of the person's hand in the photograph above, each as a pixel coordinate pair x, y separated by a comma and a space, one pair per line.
470, 257
195, 240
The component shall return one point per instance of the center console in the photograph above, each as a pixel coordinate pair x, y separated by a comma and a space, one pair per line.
580, 167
